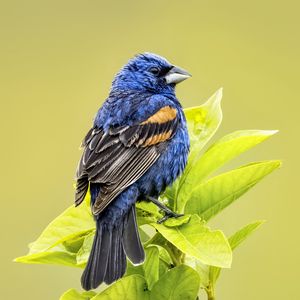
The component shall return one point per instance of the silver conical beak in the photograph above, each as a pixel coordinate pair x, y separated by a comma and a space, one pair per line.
176, 75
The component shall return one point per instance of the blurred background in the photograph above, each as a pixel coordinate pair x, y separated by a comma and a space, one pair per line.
57, 62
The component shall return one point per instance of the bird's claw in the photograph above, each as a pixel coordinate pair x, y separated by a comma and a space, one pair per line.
169, 215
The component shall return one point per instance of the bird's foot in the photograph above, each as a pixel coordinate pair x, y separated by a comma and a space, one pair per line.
168, 212
169, 215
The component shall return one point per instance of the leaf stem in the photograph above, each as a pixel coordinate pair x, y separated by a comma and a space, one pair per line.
175, 260
210, 291
176, 255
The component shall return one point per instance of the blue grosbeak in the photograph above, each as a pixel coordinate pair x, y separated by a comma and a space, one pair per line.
137, 146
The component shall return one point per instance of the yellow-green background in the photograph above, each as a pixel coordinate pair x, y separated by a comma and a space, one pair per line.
57, 61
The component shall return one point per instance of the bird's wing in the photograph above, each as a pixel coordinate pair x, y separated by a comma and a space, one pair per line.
119, 157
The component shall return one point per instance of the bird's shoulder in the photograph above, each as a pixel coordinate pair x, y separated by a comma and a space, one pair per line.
134, 108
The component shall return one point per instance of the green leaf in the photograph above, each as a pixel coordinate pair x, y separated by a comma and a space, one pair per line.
72, 222
149, 207
225, 149
149, 269
243, 233
151, 266
128, 288
84, 252
156, 239
131, 269
179, 283
212, 196
72, 294
143, 235
196, 239
204, 272
73, 244
147, 212
170, 193
163, 267
62, 238
173, 222
202, 122
164, 255
234, 241
165, 261
54, 257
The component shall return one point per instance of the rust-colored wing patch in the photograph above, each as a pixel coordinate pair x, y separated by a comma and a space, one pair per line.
161, 126
158, 138
156, 129
164, 115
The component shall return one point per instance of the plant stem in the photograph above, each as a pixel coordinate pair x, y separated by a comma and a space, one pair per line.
175, 259
210, 297
175, 254
210, 291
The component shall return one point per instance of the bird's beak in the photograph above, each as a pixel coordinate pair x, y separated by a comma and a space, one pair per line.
176, 75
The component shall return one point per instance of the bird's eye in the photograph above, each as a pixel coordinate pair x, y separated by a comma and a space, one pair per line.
154, 70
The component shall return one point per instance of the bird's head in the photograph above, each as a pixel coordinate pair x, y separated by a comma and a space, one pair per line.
149, 72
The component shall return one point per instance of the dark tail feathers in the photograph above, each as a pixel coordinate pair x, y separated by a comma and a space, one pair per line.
107, 260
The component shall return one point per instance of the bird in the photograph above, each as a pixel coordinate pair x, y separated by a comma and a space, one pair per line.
138, 145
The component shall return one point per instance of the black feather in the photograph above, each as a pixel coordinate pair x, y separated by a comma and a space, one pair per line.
152, 129
122, 175
115, 258
131, 239
117, 130
131, 135
87, 138
144, 133
104, 160
86, 278
94, 141
81, 190
107, 142
107, 260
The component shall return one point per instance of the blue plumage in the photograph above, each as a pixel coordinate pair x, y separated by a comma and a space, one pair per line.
138, 146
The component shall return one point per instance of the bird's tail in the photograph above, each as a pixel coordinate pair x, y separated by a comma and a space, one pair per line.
107, 260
